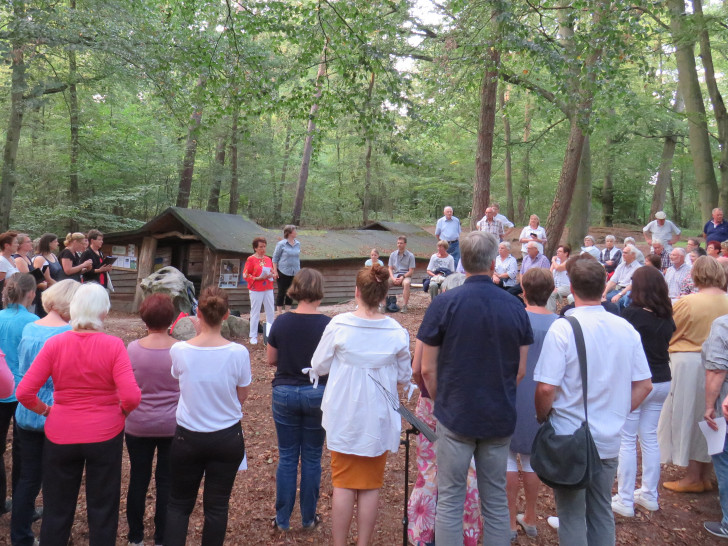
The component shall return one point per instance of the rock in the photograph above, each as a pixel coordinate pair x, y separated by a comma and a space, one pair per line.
233, 328
452, 281
186, 328
170, 280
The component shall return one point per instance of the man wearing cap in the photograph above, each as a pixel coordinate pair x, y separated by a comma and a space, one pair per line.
448, 229
662, 229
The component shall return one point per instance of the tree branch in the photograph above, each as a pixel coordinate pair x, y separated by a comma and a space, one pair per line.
544, 93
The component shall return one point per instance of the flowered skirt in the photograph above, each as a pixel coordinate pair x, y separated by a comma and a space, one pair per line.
422, 504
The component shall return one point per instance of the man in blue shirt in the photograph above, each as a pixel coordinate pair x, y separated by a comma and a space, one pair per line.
475, 342
716, 229
448, 229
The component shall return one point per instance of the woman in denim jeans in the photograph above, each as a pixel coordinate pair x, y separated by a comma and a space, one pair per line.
296, 403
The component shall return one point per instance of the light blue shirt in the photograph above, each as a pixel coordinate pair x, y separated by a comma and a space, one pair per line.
287, 257
12, 321
503, 220
448, 230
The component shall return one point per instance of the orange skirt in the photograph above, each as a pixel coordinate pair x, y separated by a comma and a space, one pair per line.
356, 471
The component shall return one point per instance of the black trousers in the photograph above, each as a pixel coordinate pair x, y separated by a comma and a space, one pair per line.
284, 283
7, 413
216, 455
63, 466
141, 458
28, 486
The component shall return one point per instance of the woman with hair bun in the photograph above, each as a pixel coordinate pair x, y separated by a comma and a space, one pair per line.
357, 350
214, 381
70, 259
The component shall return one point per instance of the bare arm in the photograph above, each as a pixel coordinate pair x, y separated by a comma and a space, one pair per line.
272, 354
22, 265
243, 393
417, 365
545, 395
640, 390
713, 381
429, 368
410, 272
523, 355
610, 286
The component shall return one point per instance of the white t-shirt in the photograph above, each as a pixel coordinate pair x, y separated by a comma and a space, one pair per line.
611, 369
526, 234
7, 267
561, 278
448, 262
664, 232
208, 377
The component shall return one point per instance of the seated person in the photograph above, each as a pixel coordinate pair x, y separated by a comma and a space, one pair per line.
373, 259
533, 258
401, 268
654, 260
441, 265
506, 267
621, 282
640, 255
562, 285
610, 257
589, 247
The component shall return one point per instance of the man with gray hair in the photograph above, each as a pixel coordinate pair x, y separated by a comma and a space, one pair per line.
677, 272
473, 383
621, 282
448, 229
610, 256
660, 249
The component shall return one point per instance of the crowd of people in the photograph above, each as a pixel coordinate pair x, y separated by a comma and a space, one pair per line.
491, 361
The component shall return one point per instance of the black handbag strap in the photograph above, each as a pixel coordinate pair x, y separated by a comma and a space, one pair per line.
581, 353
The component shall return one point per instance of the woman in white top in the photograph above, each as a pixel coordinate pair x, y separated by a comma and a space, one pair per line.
214, 380
533, 232
562, 285
8, 247
439, 261
358, 350
506, 267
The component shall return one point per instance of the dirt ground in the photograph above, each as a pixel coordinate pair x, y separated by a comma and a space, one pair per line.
679, 521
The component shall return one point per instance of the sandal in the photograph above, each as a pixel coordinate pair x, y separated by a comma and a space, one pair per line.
316, 522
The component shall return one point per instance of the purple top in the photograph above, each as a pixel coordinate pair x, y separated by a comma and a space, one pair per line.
156, 415
539, 261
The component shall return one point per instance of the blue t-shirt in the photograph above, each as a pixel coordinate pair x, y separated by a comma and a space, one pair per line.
716, 233
12, 321
479, 329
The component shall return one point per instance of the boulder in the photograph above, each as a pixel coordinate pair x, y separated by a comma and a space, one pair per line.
170, 280
186, 328
233, 328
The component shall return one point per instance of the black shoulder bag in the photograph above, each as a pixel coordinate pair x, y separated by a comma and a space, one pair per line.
567, 460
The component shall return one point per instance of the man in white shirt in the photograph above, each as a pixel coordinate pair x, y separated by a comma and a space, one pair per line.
618, 381
507, 224
448, 229
677, 272
621, 282
662, 229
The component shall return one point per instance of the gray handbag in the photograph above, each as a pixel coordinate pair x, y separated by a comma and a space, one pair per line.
568, 461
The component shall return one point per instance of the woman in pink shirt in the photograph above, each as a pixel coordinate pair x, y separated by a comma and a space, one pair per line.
94, 391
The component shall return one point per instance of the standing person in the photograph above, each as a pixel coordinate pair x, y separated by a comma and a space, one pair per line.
662, 229
259, 274
26, 264
401, 268
441, 265
47, 247
358, 350
618, 381
507, 224
286, 263
538, 285
533, 232
214, 381
8, 247
562, 286
70, 257
297, 403
152, 425
30, 426
473, 384
96, 272
18, 294
681, 442
374, 259
505, 273
448, 229
650, 313
610, 257
490, 225
716, 229
94, 391
676, 274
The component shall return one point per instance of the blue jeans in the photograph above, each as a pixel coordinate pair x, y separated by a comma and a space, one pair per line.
720, 464
623, 302
454, 251
297, 415
28, 486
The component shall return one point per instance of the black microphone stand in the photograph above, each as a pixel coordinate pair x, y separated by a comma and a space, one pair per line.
405, 517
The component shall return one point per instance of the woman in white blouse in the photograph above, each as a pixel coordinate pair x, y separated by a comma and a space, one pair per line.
533, 232
506, 267
361, 425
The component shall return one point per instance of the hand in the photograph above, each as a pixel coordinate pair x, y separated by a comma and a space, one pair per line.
710, 418
616, 298
312, 375
496, 279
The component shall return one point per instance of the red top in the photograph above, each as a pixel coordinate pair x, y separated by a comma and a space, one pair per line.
92, 380
7, 380
253, 268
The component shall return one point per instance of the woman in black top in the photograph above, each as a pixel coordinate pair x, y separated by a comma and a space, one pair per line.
97, 272
651, 315
73, 266
293, 339
26, 265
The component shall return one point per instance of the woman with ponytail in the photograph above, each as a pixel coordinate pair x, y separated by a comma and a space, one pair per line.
214, 381
362, 352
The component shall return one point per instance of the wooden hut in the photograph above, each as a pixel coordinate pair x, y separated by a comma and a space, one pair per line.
211, 248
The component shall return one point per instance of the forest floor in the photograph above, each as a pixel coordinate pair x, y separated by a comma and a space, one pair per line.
678, 522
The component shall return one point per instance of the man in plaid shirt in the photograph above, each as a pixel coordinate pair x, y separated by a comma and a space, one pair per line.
490, 225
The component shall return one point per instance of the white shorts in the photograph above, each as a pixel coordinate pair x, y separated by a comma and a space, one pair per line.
512, 465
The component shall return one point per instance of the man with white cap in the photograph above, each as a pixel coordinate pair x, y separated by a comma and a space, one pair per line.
663, 229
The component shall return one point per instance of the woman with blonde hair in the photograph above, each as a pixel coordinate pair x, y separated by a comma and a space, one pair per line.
362, 352
70, 260
680, 439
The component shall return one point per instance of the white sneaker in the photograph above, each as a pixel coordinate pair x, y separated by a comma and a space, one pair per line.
619, 508
553, 521
647, 504
253, 340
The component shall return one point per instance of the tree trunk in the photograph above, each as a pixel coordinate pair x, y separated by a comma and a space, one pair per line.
193, 132
508, 164
75, 144
565, 190
15, 124
234, 191
580, 210
486, 129
308, 144
716, 99
697, 125
664, 174
524, 190
366, 198
608, 186
213, 202
278, 205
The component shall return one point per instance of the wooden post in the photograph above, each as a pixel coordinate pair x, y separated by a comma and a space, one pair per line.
208, 268
145, 268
